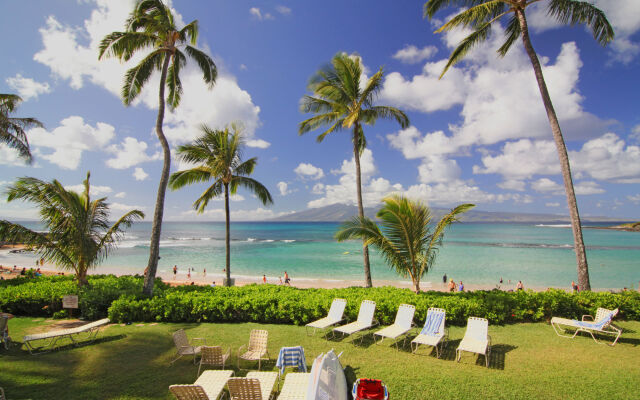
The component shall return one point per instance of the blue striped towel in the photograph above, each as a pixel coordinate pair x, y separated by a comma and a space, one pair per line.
597, 325
432, 324
292, 357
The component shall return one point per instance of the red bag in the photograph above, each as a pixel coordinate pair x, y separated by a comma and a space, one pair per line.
370, 389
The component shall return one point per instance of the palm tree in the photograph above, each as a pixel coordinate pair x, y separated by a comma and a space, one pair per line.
12, 130
151, 26
480, 15
405, 240
341, 103
218, 155
78, 234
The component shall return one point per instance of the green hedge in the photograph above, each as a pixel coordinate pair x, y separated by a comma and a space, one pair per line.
121, 299
42, 296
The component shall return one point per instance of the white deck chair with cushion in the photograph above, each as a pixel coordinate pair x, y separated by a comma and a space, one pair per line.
433, 333
212, 355
257, 348
184, 347
476, 339
402, 324
600, 324
256, 386
91, 329
208, 386
365, 320
334, 317
295, 386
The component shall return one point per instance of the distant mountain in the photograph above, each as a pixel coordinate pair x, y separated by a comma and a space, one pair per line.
342, 212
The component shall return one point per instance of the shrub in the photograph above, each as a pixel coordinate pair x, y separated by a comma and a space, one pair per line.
121, 298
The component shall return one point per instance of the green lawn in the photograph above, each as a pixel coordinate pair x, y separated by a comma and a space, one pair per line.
527, 361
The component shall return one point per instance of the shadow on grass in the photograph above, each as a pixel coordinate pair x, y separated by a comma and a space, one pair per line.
497, 356
351, 374
69, 345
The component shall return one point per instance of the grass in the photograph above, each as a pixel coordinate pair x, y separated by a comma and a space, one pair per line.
527, 361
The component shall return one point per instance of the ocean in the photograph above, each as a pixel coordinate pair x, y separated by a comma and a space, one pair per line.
478, 253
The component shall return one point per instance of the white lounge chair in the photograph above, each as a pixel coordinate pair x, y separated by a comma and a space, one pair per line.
334, 317
433, 333
256, 386
365, 320
295, 386
212, 355
476, 339
184, 347
257, 348
402, 324
208, 386
600, 324
92, 329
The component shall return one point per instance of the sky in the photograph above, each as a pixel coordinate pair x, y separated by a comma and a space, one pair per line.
478, 135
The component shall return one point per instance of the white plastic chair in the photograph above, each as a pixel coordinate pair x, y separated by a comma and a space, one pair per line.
402, 324
600, 324
365, 320
476, 339
334, 317
433, 333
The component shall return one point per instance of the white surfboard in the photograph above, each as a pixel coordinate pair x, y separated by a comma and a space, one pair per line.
327, 381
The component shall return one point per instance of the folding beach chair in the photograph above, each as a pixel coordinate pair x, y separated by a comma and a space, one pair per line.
433, 333
402, 324
291, 357
208, 386
476, 339
600, 324
92, 329
184, 347
334, 317
365, 320
256, 386
212, 355
257, 348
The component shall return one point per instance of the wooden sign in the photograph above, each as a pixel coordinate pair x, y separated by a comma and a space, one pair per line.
70, 301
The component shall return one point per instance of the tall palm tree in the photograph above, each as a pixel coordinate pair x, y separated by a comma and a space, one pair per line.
78, 233
218, 155
12, 130
341, 103
151, 26
480, 15
405, 238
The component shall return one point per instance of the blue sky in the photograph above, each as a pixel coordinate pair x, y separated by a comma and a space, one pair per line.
479, 135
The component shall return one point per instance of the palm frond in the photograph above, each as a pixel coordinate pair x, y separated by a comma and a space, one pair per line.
374, 113
180, 179
173, 79
255, 187
333, 118
123, 45
115, 232
575, 12
246, 168
190, 32
475, 38
137, 76
206, 64
475, 16
213, 191
512, 32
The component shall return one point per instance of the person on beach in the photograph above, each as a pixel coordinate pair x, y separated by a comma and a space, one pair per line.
24, 271
574, 287
175, 271
501, 280
444, 279
204, 273
461, 287
452, 285
41, 262
519, 286
280, 279
264, 278
213, 284
189, 273
287, 281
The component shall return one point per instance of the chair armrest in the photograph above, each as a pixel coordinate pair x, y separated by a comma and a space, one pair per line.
489, 340
375, 322
585, 316
199, 338
240, 348
228, 353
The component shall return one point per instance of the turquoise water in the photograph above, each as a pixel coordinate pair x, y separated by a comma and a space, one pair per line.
477, 253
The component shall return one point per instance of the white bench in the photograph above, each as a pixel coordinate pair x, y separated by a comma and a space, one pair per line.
91, 328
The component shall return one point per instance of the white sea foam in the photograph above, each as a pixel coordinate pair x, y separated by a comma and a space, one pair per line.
268, 240
251, 239
554, 225
288, 240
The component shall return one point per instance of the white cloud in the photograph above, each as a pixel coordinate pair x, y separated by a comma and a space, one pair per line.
9, 156
309, 171
120, 195
27, 88
69, 140
283, 187
283, 10
225, 103
608, 158
437, 168
634, 199
587, 187
318, 188
217, 214
546, 185
458, 192
552, 204
139, 174
259, 143
410, 54
125, 208
257, 13
94, 190
129, 153
522, 159
512, 184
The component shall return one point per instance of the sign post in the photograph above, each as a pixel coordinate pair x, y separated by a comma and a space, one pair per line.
70, 302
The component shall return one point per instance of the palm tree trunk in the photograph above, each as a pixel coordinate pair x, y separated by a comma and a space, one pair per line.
228, 237
154, 246
356, 157
581, 255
